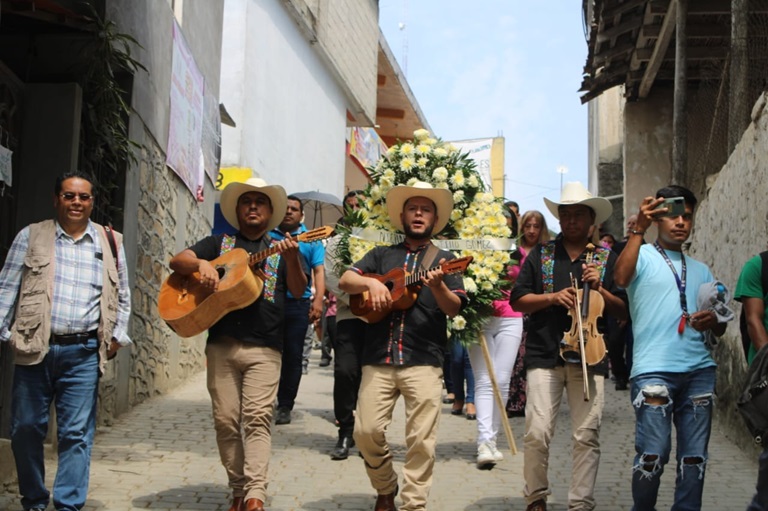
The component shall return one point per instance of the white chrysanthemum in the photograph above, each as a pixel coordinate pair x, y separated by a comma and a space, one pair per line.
440, 152
456, 214
423, 149
412, 181
407, 163
473, 181
422, 162
442, 185
451, 148
469, 285
391, 151
406, 149
431, 141
457, 179
421, 134
458, 323
440, 174
458, 196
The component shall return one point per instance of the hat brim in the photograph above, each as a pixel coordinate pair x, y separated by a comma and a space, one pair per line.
602, 207
442, 198
233, 191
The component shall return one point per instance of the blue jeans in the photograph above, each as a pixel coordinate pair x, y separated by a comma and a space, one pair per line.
68, 376
296, 324
461, 370
760, 500
660, 399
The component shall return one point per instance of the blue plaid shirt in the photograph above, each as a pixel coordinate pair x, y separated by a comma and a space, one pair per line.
78, 274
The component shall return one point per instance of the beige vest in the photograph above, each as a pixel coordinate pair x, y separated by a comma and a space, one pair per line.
31, 330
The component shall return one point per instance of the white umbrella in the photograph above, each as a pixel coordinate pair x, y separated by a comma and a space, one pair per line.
320, 208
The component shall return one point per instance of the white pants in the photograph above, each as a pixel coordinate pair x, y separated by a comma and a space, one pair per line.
503, 336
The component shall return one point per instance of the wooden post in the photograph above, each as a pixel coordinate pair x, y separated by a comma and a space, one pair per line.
738, 113
679, 113
497, 394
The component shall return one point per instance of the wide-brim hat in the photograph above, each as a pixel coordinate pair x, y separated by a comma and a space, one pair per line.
575, 194
232, 192
442, 198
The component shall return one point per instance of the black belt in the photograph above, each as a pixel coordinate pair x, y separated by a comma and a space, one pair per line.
68, 339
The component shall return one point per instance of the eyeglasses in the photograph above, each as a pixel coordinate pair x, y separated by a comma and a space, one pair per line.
69, 196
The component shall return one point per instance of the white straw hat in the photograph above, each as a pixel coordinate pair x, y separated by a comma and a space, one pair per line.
397, 197
574, 194
232, 192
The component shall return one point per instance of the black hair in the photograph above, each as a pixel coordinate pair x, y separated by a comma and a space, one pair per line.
678, 191
72, 174
294, 198
512, 204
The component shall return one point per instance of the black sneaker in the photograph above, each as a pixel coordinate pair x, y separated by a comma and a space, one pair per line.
621, 385
283, 416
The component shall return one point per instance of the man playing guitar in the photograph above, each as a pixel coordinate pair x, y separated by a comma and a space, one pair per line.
243, 350
403, 353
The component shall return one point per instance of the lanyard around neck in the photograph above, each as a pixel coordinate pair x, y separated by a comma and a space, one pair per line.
680, 281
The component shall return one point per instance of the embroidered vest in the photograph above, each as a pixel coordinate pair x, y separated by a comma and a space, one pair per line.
548, 264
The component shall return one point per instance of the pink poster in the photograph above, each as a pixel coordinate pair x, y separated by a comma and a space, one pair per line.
186, 123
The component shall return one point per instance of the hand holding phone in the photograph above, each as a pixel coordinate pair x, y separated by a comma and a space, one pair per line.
675, 207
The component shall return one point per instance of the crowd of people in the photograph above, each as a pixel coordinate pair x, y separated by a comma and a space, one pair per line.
65, 304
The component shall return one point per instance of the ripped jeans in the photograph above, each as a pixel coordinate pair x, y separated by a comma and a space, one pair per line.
659, 399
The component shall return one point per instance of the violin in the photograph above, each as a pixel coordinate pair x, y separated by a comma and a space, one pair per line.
583, 343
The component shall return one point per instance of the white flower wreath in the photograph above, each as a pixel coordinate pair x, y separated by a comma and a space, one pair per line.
476, 214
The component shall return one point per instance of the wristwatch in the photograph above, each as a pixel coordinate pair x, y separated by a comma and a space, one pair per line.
632, 231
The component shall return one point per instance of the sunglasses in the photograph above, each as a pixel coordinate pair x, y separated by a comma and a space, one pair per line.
69, 196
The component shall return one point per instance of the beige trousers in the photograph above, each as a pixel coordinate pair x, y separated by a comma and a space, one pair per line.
421, 387
544, 393
242, 382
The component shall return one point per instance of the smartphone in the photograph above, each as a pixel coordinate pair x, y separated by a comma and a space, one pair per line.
675, 206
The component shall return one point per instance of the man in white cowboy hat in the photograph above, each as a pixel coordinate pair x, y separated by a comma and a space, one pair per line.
543, 289
244, 348
404, 351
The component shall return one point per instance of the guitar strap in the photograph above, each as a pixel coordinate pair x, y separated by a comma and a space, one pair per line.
430, 254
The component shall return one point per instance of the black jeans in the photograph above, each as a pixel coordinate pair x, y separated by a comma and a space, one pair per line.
329, 338
347, 371
296, 324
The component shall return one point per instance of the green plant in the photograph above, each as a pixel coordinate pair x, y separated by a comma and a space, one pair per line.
105, 148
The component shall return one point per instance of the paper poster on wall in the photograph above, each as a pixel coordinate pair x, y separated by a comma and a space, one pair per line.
186, 115
6, 171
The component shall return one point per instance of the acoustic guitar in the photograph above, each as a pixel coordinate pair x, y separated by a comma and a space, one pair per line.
190, 308
403, 287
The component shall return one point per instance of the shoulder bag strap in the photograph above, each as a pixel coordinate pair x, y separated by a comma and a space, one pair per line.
112, 243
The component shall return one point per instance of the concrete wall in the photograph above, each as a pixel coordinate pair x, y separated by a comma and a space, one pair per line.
731, 222
166, 217
344, 33
606, 151
291, 112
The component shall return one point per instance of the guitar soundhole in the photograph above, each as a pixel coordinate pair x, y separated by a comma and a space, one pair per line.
390, 285
221, 271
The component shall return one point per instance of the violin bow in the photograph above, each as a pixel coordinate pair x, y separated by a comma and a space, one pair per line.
575, 285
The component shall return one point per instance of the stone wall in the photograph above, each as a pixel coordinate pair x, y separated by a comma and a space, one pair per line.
731, 223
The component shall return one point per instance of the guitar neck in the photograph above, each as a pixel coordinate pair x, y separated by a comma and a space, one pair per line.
415, 277
308, 236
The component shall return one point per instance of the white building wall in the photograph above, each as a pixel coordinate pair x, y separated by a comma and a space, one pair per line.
290, 113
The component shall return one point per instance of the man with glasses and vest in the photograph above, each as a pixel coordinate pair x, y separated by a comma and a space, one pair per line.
243, 352
64, 307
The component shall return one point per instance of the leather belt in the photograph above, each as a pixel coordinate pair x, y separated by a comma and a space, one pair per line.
69, 339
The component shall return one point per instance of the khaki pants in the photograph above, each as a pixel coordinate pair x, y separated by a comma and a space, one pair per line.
242, 382
421, 387
545, 392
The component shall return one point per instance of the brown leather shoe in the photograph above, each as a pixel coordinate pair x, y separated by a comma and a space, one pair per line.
539, 505
385, 502
254, 505
237, 504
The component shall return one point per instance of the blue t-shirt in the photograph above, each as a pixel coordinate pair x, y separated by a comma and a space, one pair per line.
654, 304
313, 254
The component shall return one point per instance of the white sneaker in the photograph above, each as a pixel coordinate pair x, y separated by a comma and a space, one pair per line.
485, 458
497, 456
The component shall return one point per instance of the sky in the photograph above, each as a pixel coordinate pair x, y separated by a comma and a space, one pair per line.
486, 68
